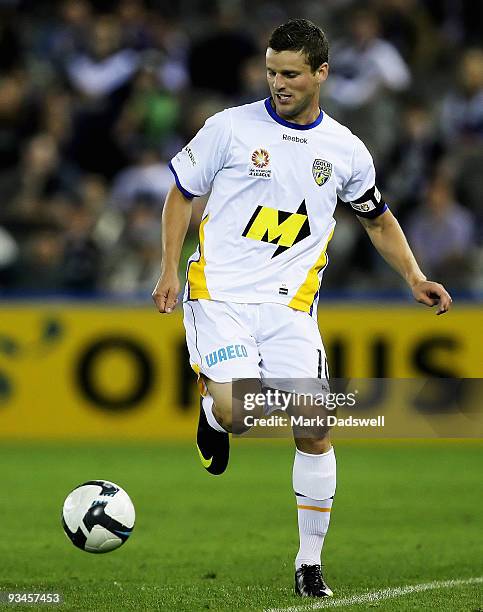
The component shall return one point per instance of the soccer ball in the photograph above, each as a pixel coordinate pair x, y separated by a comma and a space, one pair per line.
98, 516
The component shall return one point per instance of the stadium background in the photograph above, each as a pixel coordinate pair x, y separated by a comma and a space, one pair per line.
95, 97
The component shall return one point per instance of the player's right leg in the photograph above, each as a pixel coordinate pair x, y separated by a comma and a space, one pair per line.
212, 440
220, 414
221, 349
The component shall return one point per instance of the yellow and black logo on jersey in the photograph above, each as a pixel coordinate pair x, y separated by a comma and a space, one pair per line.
321, 171
278, 227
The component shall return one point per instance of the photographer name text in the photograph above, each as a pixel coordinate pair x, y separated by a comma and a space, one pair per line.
319, 421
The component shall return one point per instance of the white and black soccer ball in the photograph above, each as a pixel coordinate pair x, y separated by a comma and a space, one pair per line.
98, 516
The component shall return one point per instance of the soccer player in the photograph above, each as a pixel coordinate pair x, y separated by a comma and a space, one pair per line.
276, 169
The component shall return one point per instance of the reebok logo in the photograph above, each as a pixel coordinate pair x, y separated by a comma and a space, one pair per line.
191, 156
295, 139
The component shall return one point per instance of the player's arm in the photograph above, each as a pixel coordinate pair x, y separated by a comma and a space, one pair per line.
194, 169
389, 239
174, 225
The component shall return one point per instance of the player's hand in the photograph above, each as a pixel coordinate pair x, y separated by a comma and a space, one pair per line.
432, 294
165, 294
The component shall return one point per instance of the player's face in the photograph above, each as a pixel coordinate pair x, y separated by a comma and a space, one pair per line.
293, 85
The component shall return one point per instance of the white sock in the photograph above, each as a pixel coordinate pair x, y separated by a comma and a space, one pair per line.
314, 475
207, 403
314, 483
313, 518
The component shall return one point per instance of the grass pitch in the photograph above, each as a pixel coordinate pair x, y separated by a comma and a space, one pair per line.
404, 514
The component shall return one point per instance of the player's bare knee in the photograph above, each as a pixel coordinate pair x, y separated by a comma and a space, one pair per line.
233, 416
244, 409
224, 415
230, 406
314, 445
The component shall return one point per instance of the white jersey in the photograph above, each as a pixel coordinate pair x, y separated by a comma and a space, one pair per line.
274, 188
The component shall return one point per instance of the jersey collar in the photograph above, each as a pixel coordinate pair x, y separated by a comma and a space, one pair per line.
289, 124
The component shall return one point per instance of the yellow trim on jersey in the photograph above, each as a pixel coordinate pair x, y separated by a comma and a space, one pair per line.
304, 297
196, 272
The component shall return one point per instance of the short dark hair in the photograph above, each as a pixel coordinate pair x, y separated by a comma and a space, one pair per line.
301, 35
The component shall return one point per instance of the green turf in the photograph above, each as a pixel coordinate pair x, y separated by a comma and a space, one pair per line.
404, 514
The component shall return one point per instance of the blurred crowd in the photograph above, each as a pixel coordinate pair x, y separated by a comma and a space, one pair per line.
96, 97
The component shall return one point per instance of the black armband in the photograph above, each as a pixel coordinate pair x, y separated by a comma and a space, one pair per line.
370, 204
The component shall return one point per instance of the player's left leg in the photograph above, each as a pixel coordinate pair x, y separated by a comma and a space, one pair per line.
288, 333
314, 482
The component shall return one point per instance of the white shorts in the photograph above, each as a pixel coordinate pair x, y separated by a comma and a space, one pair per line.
266, 341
